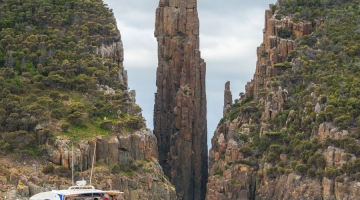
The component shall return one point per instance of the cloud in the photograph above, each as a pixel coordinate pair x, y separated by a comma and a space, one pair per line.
139, 47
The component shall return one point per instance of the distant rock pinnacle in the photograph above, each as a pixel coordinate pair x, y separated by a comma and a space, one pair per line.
227, 98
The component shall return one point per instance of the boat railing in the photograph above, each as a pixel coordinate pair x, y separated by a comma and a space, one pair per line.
87, 187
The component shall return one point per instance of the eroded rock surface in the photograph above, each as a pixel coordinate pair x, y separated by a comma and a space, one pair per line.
180, 101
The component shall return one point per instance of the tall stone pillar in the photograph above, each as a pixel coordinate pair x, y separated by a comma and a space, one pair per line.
180, 123
227, 98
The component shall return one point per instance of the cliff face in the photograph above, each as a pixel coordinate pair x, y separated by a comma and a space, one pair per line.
125, 162
282, 140
180, 101
274, 50
125, 159
115, 52
72, 93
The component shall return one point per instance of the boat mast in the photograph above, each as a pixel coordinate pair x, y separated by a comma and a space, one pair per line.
92, 165
72, 162
72, 158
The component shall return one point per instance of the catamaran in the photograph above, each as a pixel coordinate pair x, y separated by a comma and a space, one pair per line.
80, 191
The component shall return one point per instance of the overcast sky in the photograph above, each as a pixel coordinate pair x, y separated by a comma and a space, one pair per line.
230, 32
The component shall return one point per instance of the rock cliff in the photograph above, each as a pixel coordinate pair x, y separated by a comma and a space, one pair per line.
281, 140
180, 101
115, 52
71, 105
125, 162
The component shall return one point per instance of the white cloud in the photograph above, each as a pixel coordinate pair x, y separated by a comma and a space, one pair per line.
225, 48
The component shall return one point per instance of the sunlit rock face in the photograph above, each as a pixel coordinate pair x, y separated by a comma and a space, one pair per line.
180, 101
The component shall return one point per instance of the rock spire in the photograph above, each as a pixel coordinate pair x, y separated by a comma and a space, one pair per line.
227, 98
274, 52
180, 123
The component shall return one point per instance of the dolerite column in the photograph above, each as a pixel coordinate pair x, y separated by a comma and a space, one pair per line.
227, 98
180, 101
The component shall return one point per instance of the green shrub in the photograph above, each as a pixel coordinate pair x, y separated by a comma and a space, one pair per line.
246, 150
317, 160
340, 178
65, 127
271, 171
76, 119
271, 157
106, 125
245, 162
357, 176
301, 168
311, 172
273, 134
273, 8
65, 97
57, 114
320, 117
281, 164
329, 112
48, 169
343, 121
332, 172
275, 84
135, 123
115, 169
218, 172
275, 148
18, 140
285, 33
63, 172
137, 165
235, 182
244, 137
55, 95
281, 170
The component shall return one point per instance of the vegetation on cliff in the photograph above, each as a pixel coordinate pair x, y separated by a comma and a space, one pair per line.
62, 82
323, 88
315, 132
60, 73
